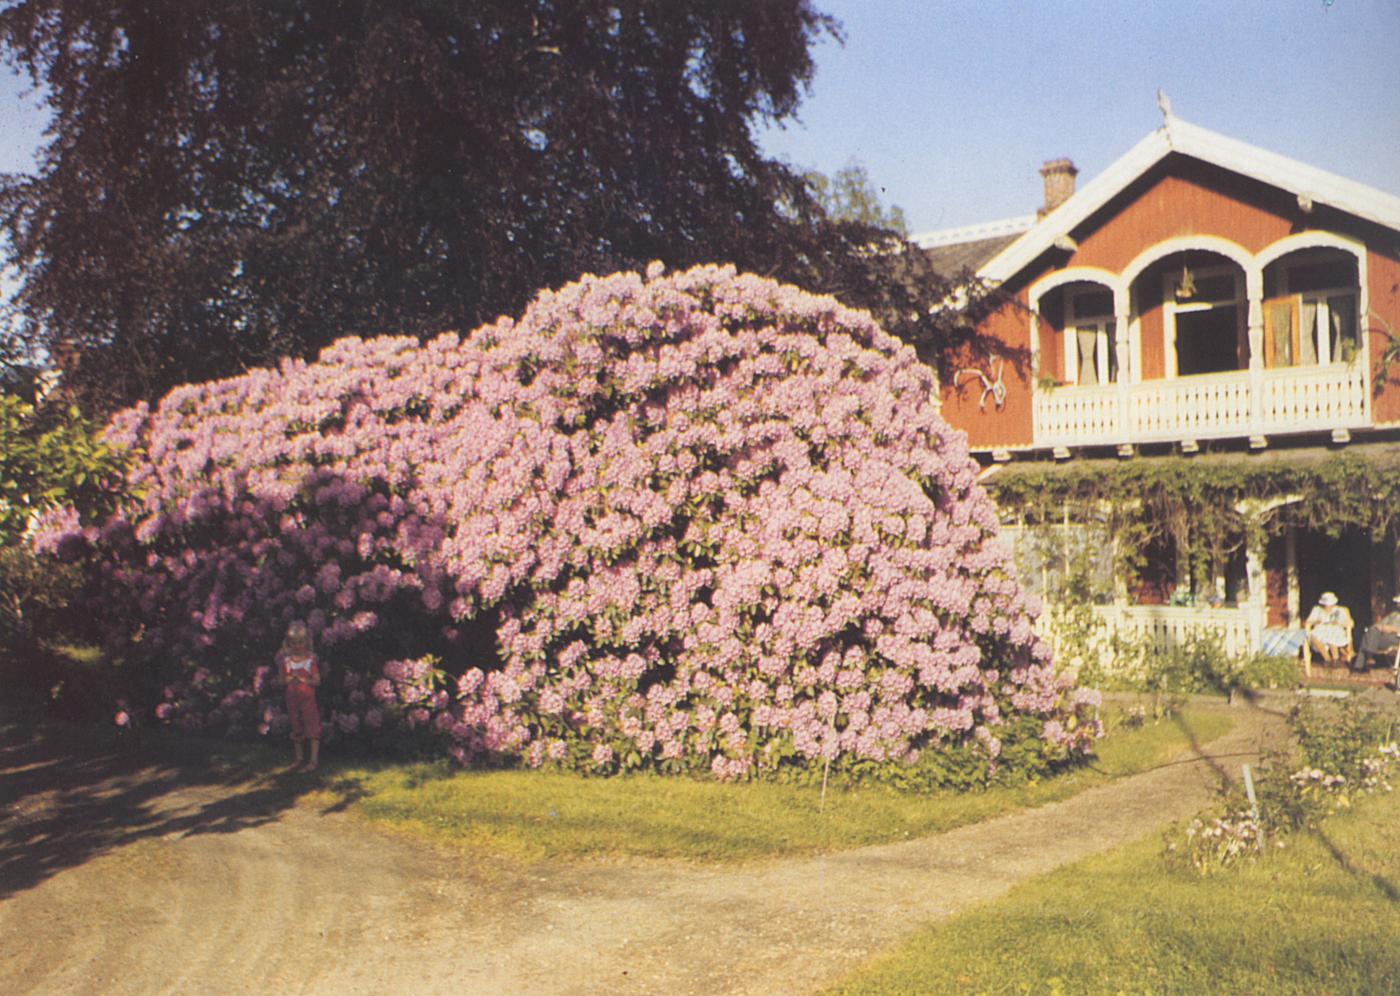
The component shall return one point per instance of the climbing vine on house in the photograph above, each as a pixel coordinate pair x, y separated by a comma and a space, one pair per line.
1205, 507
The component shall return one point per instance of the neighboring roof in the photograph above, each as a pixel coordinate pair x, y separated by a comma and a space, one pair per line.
950, 261
953, 250
1187, 139
973, 233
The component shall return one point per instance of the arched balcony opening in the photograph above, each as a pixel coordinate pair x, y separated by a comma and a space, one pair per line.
1193, 311
1078, 334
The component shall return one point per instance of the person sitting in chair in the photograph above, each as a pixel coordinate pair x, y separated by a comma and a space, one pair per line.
1329, 627
1380, 640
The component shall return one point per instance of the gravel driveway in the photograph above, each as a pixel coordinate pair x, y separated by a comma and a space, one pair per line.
119, 875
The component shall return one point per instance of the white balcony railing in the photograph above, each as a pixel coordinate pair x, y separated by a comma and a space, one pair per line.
1198, 407
1074, 412
1314, 398
1204, 406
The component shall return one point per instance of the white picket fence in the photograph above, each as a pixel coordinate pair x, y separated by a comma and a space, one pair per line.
1237, 627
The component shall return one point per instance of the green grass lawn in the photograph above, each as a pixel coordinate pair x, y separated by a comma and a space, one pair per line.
1322, 915
530, 815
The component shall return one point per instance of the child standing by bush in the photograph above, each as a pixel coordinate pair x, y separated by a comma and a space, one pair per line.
300, 671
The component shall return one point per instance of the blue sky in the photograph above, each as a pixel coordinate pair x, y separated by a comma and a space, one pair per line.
21, 123
953, 106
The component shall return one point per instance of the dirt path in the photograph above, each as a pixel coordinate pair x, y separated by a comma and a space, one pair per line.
123, 877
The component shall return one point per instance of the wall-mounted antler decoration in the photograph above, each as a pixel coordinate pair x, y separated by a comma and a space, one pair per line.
996, 387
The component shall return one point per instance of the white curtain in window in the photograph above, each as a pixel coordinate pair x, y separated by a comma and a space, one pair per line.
1342, 311
1307, 334
1088, 353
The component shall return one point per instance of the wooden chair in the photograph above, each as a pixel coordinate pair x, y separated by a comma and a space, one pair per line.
1345, 661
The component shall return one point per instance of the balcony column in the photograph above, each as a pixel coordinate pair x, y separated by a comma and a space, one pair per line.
1035, 372
1121, 596
1254, 292
1122, 356
1258, 602
1258, 606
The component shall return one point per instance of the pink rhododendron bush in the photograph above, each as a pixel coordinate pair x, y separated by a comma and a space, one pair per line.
696, 521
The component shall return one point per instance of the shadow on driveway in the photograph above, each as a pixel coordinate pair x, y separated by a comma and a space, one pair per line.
70, 794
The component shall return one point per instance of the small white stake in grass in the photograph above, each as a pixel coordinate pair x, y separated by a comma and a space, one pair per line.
826, 768
1249, 791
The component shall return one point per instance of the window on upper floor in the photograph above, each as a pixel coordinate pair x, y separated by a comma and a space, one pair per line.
1311, 316
1204, 315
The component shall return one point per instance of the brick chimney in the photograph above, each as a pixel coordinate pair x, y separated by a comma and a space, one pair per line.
1058, 175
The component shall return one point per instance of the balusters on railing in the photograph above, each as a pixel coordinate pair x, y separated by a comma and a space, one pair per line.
1208, 405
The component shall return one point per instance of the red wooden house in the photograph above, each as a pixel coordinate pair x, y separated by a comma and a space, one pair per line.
1201, 293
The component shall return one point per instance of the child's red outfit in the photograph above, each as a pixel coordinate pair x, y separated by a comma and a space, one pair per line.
298, 672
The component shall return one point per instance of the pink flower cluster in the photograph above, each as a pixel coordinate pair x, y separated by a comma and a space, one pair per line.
714, 522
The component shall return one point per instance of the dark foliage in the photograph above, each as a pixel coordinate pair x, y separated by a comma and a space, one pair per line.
231, 181
228, 181
876, 269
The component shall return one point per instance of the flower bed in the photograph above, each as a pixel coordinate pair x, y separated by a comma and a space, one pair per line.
1342, 755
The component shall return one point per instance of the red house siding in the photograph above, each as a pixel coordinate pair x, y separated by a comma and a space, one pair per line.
989, 426
1191, 199
1383, 279
1150, 323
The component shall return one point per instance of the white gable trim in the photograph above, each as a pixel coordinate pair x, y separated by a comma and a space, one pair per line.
1176, 135
1088, 199
1289, 174
1072, 275
1232, 251
1312, 239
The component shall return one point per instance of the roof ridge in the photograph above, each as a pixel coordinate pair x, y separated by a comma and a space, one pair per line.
1233, 154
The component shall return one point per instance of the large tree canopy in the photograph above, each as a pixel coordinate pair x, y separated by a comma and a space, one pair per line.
227, 181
